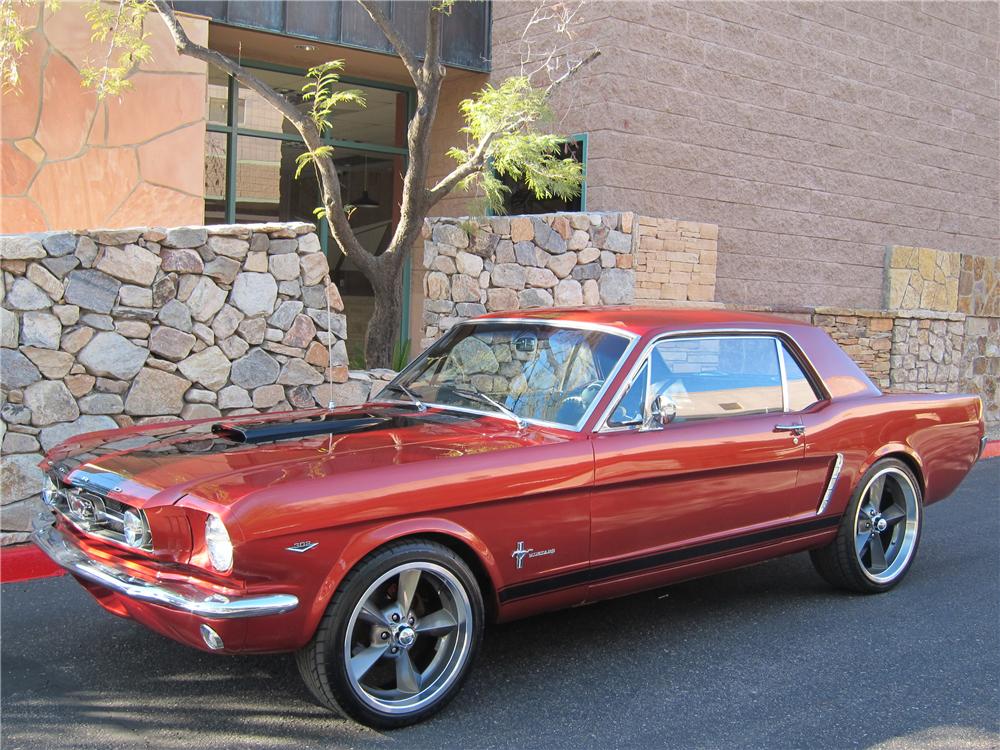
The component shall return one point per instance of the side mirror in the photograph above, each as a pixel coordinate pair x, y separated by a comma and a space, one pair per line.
662, 412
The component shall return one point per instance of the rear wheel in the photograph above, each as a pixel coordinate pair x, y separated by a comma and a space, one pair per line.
399, 636
879, 534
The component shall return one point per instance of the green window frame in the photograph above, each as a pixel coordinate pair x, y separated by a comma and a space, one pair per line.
233, 131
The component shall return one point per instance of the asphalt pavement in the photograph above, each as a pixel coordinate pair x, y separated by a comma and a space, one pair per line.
764, 657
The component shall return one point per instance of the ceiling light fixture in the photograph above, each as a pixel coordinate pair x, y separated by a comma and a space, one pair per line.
366, 201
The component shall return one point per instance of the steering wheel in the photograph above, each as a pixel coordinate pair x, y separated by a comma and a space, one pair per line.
574, 407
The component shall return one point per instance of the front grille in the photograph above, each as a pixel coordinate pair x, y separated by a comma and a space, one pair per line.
96, 514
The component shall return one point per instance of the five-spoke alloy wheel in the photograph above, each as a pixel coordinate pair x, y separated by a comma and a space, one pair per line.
879, 534
398, 637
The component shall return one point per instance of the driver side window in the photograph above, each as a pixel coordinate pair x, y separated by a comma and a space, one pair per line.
632, 407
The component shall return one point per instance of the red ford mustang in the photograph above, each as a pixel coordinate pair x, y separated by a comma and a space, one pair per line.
521, 464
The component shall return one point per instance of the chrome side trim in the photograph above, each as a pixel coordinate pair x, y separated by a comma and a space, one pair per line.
838, 464
183, 597
982, 447
632, 338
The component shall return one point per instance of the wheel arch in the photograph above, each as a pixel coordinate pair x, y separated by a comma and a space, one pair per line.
902, 453
460, 540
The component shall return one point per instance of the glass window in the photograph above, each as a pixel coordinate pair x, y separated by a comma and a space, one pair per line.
266, 187
540, 372
801, 394
215, 178
382, 121
217, 93
631, 410
717, 376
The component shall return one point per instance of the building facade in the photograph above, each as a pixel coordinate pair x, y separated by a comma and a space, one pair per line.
814, 134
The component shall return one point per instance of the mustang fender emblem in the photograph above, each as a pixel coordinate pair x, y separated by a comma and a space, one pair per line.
522, 552
302, 546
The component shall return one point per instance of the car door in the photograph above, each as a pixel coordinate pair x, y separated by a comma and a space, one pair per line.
725, 468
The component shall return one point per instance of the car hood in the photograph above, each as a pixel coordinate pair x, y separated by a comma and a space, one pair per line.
219, 460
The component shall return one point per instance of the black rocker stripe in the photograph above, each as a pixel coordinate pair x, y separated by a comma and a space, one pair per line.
660, 559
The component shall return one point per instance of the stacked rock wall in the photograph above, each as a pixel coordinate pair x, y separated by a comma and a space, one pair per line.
119, 327
474, 266
938, 331
866, 335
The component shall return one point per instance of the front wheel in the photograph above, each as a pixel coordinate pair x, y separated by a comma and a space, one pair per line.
879, 534
399, 636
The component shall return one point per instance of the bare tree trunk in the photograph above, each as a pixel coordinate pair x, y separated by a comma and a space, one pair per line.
386, 317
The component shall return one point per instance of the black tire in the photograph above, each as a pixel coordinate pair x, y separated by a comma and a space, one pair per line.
323, 663
842, 563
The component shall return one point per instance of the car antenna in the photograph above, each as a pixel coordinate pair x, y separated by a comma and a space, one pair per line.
330, 404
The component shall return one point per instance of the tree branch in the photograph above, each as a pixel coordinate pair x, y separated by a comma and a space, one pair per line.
403, 49
478, 160
433, 69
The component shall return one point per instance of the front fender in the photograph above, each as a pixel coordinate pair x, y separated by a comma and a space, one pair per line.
365, 541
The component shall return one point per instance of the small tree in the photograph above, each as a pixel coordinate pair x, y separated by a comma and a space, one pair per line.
504, 129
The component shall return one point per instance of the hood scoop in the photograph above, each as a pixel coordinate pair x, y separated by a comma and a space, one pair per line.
264, 432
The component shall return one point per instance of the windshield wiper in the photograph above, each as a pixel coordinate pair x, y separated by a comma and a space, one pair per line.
484, 399
421, 406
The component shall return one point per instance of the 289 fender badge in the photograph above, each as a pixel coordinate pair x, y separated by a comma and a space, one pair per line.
302, 546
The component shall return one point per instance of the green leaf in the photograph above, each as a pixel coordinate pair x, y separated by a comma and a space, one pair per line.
324, 96
511, 118
308, 157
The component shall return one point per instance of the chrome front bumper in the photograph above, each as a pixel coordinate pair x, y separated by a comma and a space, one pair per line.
183, 597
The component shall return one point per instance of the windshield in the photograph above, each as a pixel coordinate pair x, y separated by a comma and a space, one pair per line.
536, 371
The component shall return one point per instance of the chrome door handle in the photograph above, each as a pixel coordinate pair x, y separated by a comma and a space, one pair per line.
795, 429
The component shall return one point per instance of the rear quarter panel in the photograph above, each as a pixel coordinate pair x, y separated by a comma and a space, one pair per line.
938, 433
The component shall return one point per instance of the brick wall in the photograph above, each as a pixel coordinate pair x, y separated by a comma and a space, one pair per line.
813, 133
675, 260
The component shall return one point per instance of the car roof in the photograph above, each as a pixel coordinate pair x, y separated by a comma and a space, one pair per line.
642, 321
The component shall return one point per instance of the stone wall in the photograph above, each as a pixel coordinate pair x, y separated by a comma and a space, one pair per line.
921, 278
979, 286
675, 260
866, 335
70, 160
474, 266
981, 366
117, 327
927, 351
813, 133
510, 263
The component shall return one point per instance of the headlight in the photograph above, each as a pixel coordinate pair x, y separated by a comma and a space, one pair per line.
136, 531
51, 492
220, 548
